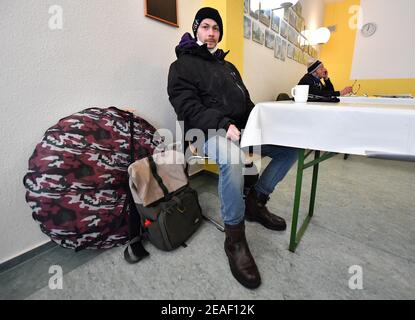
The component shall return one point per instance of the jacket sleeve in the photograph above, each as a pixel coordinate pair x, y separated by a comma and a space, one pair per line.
185, 98
329, 88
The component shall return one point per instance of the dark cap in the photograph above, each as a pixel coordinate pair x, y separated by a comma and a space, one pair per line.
207, 13
313, 66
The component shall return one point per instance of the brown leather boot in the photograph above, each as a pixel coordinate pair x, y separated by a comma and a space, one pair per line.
256, 210
241, 262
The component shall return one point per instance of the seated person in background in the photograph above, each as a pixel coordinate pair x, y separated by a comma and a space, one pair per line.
316, 72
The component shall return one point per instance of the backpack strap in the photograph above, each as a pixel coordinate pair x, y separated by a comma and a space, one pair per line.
135, 250
156, 176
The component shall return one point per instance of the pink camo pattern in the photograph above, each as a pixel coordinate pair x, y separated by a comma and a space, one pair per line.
77, 178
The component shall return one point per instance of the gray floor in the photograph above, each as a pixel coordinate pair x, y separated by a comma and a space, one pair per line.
365, 216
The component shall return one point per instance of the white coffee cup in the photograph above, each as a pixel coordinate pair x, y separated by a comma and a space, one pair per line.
300, 93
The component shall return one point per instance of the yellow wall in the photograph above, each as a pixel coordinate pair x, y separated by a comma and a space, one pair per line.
232, 13
337, 55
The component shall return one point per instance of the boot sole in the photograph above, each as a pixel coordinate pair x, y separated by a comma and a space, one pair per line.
283, 228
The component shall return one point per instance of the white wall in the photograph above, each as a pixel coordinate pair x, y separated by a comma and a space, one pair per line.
266, 76
389, 53
107, 54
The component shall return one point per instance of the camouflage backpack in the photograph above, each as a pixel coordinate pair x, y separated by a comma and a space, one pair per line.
77, 182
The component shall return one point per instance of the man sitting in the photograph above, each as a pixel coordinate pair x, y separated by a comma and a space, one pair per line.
316, 72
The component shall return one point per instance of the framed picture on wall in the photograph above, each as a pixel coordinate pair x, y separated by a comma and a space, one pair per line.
296, 54
293, 18
265, 16
277, 49
292, 35
284, 29
299, 24
290, 51
247, 28
254, 8
275, 21
257, 32
303, 43
162, 10
287, 14
298, 8
283, 49
246, 6
302, 25
269, 39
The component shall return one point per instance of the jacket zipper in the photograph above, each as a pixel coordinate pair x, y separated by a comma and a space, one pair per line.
237, 83
233, 74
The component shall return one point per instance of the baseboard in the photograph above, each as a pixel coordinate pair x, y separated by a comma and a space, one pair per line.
9, 264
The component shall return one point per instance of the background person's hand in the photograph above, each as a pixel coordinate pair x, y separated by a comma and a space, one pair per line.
346, 90
233, 133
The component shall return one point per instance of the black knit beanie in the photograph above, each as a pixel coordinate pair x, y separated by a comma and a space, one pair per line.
314, 66
207, 13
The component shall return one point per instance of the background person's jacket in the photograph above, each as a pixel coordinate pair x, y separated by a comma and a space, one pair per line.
206, 91
317, 87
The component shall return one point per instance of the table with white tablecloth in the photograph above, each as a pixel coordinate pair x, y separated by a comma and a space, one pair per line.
383, 130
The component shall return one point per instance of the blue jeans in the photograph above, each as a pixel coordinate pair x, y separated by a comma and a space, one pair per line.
230, 159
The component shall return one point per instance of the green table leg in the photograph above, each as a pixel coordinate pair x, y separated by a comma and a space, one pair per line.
297, 199
314, 185
295, 236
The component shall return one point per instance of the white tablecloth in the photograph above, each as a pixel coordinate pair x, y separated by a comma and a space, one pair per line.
337, 127
378, 100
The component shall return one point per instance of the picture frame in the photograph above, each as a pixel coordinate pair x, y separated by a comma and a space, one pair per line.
265, 16
254, 9
306, 59
283, 50
275, 21
269, 39
258, 34
277, 48
299, 8
303, 43
286, 16
284, 29
162, 10
247, 28
292, 35
302, 57
296, 54
290, 50
299, 24
302, 29
293, 18
246, 6
294, 7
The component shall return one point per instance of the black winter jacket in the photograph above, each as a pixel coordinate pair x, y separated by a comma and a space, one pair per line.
318, 88
206, 91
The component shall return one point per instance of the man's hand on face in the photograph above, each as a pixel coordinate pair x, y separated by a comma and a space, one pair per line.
233, 133
326, 75
346, 90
